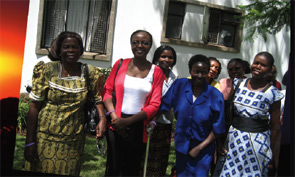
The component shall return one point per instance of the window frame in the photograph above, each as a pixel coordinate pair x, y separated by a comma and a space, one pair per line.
86, 55
238, 36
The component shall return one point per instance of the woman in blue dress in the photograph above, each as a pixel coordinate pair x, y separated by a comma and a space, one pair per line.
251, 138
199, 110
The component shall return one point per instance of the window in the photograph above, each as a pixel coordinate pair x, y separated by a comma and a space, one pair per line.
92, 19
222, 28
202, 25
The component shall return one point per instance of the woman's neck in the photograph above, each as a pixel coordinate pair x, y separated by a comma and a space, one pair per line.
257, 83
166, 72
140, 63
197, 89
209, 80
71, 69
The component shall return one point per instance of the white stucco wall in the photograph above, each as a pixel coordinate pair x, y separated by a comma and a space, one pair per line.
148, 15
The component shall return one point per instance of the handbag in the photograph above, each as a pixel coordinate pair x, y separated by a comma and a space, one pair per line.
91, 114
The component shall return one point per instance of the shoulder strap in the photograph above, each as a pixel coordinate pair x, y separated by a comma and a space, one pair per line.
121, 61
238, 85
87, 79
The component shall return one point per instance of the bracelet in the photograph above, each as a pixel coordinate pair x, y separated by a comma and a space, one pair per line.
153, 122
108, 113
102, 116
29, 144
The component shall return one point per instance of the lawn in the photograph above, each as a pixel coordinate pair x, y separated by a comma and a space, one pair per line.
93, 165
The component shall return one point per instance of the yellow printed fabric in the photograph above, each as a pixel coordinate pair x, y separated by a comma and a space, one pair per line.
60, 134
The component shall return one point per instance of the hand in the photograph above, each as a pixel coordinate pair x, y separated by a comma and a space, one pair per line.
31, 154
222, 151
150, 128
194, 152
100, 129
119, 123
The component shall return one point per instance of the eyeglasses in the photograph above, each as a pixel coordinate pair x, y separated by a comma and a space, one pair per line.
140, 42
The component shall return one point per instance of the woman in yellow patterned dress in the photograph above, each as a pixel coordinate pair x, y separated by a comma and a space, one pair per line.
55, 135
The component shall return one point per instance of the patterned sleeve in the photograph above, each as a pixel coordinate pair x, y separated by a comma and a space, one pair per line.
278, 95
96, 81
39, 82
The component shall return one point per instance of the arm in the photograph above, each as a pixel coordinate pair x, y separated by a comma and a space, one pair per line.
32, 120
101, 126
194, 152
275, 113
154, 100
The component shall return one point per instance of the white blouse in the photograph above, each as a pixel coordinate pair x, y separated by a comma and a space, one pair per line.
136, 90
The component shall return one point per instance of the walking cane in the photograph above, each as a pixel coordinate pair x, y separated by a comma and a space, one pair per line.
147, 151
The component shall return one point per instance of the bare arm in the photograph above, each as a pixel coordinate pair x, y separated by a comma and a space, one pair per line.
32, 121
101, 126
194, 152
275, 113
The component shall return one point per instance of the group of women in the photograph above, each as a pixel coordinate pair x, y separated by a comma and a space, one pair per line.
139, 97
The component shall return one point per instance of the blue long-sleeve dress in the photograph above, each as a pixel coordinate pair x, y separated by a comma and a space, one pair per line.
195, 120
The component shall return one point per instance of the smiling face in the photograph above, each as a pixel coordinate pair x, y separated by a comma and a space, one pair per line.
70, 50
199, 73
260, 67
140, 44
214, 69
235, 70
166, 59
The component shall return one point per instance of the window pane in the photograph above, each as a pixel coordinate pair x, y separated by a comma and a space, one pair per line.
77, 18
226, 36
175, 19
98, 26
176, 8
174, 26
214, 23
54, 20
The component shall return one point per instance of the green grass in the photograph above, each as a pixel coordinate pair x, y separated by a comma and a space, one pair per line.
93, 165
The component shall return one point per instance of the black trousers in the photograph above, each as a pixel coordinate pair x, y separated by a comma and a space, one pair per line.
124, 154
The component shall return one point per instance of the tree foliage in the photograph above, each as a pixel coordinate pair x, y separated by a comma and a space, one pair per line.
264, 17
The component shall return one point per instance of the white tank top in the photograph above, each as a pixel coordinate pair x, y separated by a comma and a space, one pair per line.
136, 91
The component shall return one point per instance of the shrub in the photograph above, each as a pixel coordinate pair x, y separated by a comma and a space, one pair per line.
23, 108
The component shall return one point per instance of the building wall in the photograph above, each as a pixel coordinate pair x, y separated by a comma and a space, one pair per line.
148, 15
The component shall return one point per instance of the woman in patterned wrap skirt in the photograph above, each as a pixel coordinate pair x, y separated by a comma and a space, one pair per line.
252, 136
55, 135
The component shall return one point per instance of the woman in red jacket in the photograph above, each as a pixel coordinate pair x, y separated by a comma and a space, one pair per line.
138, 89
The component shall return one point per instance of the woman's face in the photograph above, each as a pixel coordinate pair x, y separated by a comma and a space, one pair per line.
199, 73
140, 44
70, 50
166, 59
235, 70
214, 67
260, 67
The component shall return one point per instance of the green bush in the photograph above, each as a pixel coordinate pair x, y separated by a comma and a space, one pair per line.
106, 73
23, 108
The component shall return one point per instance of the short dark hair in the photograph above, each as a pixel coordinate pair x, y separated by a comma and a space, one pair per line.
160, 49
198, 58
65, 34
245, 64
142, 31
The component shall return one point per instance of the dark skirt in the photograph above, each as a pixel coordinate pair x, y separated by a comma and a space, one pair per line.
125, 150
159, 150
